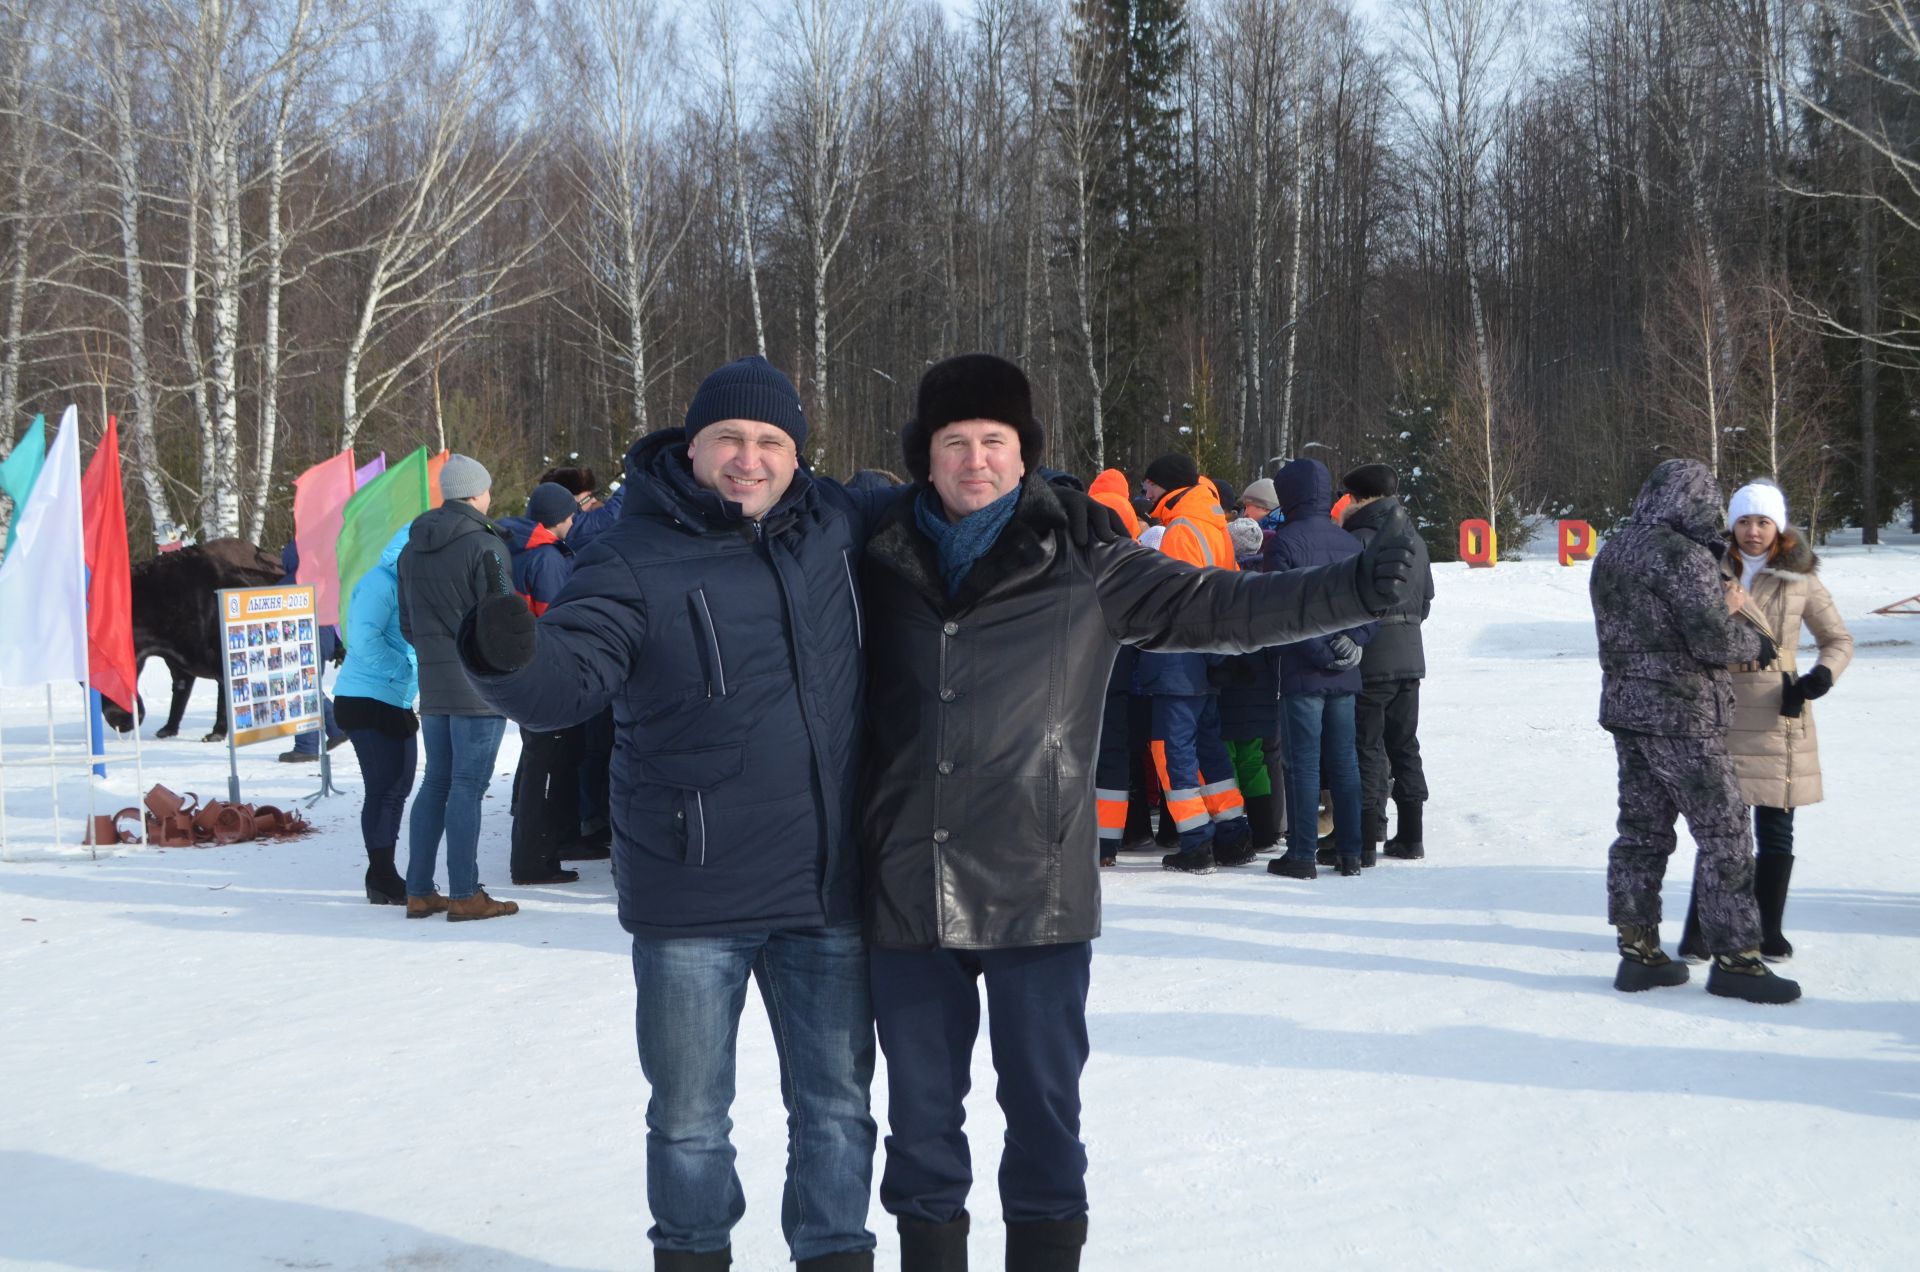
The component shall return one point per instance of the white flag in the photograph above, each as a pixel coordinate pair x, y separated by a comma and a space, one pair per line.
43, 580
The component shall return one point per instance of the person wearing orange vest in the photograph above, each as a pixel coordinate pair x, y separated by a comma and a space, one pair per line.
1195, 769
1112, 778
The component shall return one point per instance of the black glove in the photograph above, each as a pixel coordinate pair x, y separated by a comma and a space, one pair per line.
1816, 683
1088, 520
1792, 701
1386, 564
1768, 651
498, 633
1346, 654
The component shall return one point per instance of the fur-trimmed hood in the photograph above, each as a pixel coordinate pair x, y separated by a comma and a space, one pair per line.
1796, 556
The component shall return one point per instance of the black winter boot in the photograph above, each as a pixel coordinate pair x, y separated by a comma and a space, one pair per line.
1692, 948
933, 1247
849, 1261
1048, 1245
1194, 861
1264, 821
1771, 874
1743, 975
384, 884
693, 1261
1406, 843
1373, 828
1643, 964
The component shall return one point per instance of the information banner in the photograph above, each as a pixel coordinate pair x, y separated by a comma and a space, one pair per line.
273, 662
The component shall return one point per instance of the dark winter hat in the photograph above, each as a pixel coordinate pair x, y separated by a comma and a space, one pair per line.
749, 388
1372, 481
1172, 472
551, 503
463, 477
971, 386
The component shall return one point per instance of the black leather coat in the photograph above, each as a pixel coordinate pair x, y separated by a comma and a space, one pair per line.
1396, 651
977, 825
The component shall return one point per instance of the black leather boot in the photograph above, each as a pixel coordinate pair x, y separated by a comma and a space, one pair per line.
1772, 871
1406, 843
384, 884
1264, 822
848, 1261
934, 1247
693, 1261
1048, 1245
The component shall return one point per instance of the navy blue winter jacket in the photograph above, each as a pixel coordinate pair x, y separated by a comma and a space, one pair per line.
732, 652
1309, 538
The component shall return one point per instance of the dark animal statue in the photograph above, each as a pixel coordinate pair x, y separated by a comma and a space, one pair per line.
176, 619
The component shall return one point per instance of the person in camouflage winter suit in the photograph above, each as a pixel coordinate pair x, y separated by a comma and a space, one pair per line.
1667, 634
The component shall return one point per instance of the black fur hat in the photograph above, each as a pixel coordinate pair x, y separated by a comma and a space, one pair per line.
1372, 481
971, 386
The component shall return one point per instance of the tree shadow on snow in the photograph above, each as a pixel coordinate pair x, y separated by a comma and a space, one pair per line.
1480, 1053
54, 1210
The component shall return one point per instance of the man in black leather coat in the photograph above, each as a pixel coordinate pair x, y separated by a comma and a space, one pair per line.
995, 606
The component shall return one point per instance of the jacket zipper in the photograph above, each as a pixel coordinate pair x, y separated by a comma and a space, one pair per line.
859, 627
713, 642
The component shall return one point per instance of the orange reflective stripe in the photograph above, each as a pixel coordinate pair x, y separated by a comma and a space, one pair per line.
1226, 807
1111, 810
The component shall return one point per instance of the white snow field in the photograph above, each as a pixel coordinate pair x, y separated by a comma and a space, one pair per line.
224, 1058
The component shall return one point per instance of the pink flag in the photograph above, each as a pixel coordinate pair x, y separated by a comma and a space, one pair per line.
319, 498
372, 470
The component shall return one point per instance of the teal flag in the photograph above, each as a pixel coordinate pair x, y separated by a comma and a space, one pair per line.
21, 468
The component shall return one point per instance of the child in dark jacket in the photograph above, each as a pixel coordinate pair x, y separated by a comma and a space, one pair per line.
546, 786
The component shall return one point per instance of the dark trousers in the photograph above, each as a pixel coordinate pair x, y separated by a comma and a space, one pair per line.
1111, 779
927, 1006
546, 798
387, 766
1662, 778
1386, 727
596, 759
1773, 830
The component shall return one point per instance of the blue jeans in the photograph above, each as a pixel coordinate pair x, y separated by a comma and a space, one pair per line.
927, 1003
690, 991
1315, 725
460, 752
309, 743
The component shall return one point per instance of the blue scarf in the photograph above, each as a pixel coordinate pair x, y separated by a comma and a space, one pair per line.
961, 543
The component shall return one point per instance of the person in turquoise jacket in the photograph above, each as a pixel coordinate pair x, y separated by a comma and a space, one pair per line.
373, 701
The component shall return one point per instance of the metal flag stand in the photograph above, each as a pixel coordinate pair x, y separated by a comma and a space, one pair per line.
326, 759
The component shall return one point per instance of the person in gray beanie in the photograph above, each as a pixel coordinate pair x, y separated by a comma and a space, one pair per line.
720, 617
454, 557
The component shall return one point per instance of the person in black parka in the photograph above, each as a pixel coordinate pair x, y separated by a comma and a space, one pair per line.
1386, 715
721, 619
996, 604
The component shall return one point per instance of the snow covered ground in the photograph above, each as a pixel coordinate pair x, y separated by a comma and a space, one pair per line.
224, 1058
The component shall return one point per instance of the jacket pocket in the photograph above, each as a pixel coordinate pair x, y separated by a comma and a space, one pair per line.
710, 643
689, 777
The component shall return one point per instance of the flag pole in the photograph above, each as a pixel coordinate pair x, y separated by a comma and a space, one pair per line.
139, 769
53, 768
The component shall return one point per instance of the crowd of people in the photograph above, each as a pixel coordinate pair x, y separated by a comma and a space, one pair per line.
872, 744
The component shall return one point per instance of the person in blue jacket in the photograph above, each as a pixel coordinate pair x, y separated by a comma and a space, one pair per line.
546, 785
721, 618
1319, 679
373, 702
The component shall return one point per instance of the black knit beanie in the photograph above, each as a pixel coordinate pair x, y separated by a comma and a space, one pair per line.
749, 388
550, 504
1372, 481
972, 386
1173, 471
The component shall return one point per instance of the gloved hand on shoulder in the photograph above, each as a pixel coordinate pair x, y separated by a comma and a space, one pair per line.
1385, 565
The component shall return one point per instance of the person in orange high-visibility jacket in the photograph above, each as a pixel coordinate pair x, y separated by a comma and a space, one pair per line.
1112, 777
1195, 768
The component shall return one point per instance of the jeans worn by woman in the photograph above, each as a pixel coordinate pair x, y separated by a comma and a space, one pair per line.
460, 754
1317, 725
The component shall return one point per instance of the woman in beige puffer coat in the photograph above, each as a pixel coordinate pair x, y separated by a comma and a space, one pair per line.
1775, 750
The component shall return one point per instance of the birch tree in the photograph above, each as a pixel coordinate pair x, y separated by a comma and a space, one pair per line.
1085, 106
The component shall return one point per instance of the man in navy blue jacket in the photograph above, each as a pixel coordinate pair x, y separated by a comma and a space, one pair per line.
1318, 680
720, 616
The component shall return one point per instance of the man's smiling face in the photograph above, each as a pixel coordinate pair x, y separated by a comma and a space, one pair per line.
745, 462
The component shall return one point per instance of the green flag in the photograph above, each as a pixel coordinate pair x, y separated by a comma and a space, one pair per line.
371, 517
21, 467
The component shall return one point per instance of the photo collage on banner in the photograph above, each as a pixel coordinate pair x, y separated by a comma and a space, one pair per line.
273, 665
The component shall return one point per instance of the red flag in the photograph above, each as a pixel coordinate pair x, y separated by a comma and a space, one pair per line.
434, 464
103, 513
319, 501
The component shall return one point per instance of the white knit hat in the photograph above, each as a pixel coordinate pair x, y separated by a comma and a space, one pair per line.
1758, 499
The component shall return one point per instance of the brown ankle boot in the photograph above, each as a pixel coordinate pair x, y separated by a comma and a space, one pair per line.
421, 907
478, 906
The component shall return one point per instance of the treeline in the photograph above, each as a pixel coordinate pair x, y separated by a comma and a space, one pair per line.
1520, 252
